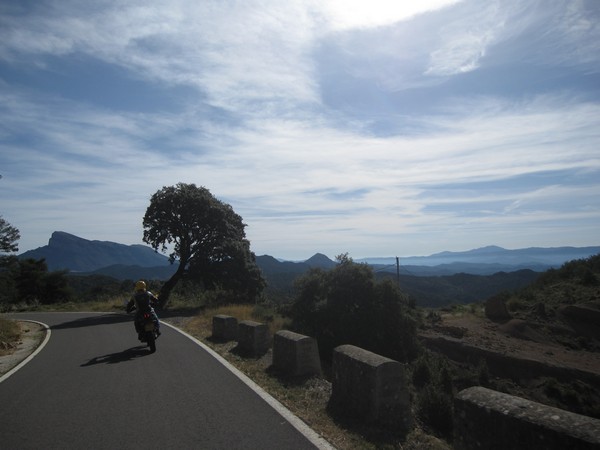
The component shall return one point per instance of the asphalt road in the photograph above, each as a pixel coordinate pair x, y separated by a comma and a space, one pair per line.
94, 386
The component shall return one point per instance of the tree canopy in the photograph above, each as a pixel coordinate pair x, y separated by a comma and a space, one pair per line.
9, 236
205, 237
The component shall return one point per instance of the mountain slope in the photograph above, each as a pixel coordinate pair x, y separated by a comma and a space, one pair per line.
321, 261
66, 251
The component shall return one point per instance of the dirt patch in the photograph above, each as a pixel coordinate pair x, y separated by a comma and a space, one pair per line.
516, 338
521, 329
32, 335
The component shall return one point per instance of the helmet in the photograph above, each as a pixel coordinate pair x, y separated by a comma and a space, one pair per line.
140, 286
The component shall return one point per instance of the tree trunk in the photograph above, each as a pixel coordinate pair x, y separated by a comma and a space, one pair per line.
165, 291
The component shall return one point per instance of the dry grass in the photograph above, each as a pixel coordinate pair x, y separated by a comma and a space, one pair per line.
10, 334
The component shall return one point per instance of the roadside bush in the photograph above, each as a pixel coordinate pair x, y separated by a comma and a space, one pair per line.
483, 373
435, 409
346, 305
432, 379
421, 375
515, 304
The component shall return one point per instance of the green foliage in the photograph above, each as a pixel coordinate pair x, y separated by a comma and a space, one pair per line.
515, 304
207, 239
578, 270
483, 373
94, 288
575, 281
434, 404
9, 236
346, 305
421, 375
435, 409
28, 281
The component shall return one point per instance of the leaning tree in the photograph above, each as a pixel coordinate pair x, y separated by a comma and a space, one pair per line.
207, 239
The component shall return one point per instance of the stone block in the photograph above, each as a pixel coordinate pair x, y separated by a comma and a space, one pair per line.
296, 354
484, 418
253, 338
370, 387
224, 328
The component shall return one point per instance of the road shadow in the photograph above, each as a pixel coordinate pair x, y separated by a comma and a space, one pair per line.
102, 319
114, 358
113, 318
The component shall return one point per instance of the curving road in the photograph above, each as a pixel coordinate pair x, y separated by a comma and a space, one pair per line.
94, 386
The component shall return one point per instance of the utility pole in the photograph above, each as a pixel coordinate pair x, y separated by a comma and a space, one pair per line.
398, 271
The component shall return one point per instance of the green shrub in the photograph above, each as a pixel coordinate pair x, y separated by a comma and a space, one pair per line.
346, 305
421, 375
435, 409
483, 373
515, 304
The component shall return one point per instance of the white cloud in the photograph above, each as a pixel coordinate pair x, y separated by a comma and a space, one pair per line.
464, 42
279, 177
348, 14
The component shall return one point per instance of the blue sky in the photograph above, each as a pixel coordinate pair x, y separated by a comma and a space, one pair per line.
377, 128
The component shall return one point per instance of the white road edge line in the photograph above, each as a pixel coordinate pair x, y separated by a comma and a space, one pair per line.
317, 440
35, 352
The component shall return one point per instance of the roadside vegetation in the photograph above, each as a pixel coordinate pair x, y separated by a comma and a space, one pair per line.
10, 333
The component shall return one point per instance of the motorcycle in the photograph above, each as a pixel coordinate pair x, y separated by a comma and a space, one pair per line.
146, 321
149, 332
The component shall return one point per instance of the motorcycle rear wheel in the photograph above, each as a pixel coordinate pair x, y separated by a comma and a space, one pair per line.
151, 340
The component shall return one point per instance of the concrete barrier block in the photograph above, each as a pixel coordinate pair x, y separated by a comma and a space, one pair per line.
224, 328
296, 354
253, 338
371, 387
493, 420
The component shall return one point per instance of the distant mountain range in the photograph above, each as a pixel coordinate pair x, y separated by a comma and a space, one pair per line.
484, 261
435, 280
496, 255
68, 252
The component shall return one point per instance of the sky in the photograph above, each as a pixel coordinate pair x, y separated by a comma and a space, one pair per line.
373, 128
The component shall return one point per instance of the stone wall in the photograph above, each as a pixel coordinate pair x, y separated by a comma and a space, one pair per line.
370, 387
486, 419
507, 366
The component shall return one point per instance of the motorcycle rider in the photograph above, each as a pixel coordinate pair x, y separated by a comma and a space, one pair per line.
143, 302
